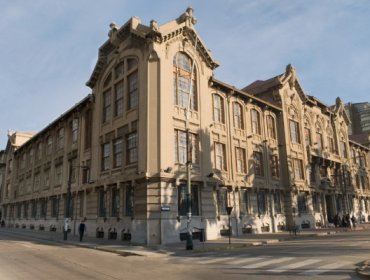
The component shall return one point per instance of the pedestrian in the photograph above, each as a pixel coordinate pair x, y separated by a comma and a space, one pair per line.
2, 223
354, 221
82, 229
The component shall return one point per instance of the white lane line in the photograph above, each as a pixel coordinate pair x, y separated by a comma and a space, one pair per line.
293, 265
324, 268
213, 260
266, 263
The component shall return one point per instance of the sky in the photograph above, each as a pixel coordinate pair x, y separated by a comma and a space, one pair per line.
48, 49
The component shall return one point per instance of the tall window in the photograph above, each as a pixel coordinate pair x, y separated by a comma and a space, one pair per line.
117, 152
60, 138
132, 90
238, 115
302, 202
25, 210
244, 201
240, 160
298, 169
343, 149
58, 174
331, 143
271, 131
74, 130
129, 201
88, 129
218, 109
294, 131
101, 205
277, 203
258, 163
182, 200
274, 165
261, 203
33, 209
106, 156
181, 147
220, 156
307, 136
43, 210
184, 83
54, 207
256, 122
131, 148
118, 102
319, 140
222, 201
107, 106
114, 202
316, 203
39, 151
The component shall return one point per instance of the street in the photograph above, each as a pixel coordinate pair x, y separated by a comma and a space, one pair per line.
320, 257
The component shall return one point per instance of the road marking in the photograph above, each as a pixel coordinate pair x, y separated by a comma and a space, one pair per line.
213, 260
324, 268
266, 263
294, 265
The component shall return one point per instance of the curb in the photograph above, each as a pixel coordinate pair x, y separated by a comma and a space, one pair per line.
363, 271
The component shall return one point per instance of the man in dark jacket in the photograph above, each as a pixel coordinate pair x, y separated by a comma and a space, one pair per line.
82, 229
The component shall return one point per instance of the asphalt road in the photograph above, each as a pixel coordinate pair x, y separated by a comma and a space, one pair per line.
329, 257
22, 259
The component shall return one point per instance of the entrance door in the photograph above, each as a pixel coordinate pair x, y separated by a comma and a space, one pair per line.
329, 208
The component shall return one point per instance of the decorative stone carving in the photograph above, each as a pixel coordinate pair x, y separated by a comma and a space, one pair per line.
153, 25
290, 72
187, 17
112, 34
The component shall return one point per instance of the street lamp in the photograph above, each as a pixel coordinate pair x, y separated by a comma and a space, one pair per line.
68, 202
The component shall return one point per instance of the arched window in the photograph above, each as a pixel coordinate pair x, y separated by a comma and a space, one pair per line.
256, 122
271, 131
294, 126
319, 140
218, 109
184, 81
238, 116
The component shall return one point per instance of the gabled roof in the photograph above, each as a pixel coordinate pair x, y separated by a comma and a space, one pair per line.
183, 25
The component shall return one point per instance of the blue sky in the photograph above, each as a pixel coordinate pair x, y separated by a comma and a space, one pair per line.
49, 48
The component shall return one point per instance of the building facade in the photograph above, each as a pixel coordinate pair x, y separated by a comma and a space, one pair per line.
276, 155
359, 129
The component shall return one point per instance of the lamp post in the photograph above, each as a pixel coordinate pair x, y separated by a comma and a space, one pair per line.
228, 210
67, 219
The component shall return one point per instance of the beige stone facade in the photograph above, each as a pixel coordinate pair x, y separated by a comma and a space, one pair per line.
276, 155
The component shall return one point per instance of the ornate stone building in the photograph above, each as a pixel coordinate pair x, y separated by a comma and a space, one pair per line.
276, 155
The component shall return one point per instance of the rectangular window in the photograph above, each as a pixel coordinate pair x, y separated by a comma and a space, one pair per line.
71, 208
244, 201
218, 109
81, 204
114, 202
240, 160
261, 203
19, 210
181, 147
258, 164
129, 201
86, 172
222, 201
294, 131
312, 172
117, 152
220, 156
332, 148
132, 90
302, 203
307, 136
316, 203
88, 129
60, 138
319, 141
277, 203
107, 106
54, 207
298, 169
256, 123
74, 130
182, 200
238, 116
33, 209
271, 131
25, 210
43, 209
49, 147
274, 165
343, 149
131, 148
101, 205
58, 174
118, 102
105, 156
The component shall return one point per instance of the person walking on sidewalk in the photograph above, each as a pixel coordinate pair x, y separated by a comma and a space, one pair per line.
82, 229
